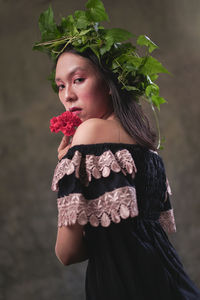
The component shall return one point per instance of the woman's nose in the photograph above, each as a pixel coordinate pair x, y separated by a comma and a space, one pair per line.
70, 94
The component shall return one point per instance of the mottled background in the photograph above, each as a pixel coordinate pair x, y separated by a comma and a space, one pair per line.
29, 267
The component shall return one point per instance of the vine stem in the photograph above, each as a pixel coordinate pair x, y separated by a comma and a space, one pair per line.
121, 81
61, 40
157, 125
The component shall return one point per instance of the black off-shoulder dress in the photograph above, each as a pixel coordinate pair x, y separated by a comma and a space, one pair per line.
121, 194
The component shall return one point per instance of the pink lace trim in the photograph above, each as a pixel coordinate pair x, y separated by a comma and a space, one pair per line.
66, 166
167, 221
96, 166
112, 206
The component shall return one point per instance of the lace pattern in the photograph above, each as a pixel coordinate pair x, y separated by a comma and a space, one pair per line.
167, 221
95, 166
66, 166
111, 206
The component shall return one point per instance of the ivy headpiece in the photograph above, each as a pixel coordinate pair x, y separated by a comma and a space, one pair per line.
82, 31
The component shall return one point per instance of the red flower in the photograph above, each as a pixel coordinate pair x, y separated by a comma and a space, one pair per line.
67, 122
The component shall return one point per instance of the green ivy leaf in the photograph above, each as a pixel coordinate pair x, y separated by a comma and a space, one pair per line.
112, 37
70, 25
96, 11
47, 25
143, 40
133, 62
157, 101
114, 65
127, 48
117, 35
152, 89
95, 50
81, 18
152, 66
131, 88
153, 77
84, 32
65, 25
105, 48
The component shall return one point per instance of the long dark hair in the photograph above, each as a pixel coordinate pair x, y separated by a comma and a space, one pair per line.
126, 109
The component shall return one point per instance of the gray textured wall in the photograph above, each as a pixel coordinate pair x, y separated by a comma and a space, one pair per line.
29, 268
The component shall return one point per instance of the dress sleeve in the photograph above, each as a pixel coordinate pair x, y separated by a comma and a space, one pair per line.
95, 188
166, 218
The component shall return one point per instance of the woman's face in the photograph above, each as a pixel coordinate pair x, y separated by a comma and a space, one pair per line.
80, 85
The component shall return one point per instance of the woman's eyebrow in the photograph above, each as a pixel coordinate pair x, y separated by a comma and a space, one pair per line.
71, 73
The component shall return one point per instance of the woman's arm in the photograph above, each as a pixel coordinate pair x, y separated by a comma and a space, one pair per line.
70, 244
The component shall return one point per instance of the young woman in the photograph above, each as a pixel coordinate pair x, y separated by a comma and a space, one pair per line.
113, 206
113, 195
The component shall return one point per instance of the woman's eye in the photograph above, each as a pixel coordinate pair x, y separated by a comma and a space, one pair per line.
60, 87
79, 80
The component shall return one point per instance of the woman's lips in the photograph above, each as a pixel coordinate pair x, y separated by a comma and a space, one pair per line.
76, 110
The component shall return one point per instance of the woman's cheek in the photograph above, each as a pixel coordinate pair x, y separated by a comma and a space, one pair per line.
64, 104
62, 100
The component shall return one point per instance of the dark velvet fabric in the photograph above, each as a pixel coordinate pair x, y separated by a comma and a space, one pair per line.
133, 259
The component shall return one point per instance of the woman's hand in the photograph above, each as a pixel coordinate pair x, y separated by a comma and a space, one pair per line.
63, 147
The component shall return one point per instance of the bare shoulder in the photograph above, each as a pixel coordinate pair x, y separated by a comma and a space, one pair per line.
93, 122
90, 131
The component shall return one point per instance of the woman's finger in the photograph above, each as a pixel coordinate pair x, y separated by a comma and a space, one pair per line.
63, 152
64, 142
